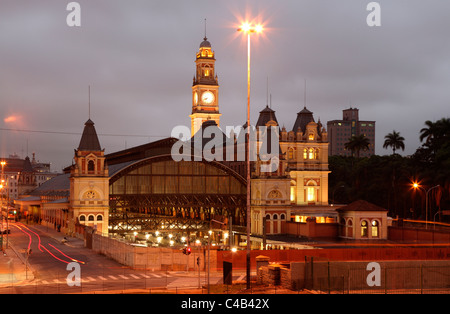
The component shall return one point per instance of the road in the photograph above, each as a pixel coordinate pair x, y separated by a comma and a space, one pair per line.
49, 260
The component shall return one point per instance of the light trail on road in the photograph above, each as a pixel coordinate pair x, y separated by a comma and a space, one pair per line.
41, 247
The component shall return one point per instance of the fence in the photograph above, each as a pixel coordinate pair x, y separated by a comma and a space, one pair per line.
419, 277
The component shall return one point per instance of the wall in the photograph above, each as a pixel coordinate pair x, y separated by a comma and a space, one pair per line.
394, 253
351, 276
152, 258
418, 235
311, 229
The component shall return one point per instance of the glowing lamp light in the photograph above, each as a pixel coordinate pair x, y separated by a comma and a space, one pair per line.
248, 28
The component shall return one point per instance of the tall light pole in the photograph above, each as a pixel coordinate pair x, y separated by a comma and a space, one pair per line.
417, 186
2, 163
248, 29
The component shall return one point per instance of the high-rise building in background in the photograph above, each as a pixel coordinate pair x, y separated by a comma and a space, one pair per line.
341, 131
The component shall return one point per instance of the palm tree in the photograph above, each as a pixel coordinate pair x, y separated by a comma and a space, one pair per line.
435, 134
357, 143
395, 141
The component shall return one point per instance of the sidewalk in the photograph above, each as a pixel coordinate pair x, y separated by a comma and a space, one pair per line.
12, 268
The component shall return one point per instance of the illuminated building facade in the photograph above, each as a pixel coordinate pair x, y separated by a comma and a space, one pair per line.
143, 189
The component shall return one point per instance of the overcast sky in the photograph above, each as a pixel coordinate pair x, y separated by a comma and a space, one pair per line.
138, 57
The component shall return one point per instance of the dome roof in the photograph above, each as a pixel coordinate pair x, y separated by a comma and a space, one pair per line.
205, 43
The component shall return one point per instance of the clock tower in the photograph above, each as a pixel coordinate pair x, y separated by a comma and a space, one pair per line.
205, 89
89, 183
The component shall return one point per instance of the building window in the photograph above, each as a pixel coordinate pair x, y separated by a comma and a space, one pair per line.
364, 229
292, 194
311, 153
311, 191
291, 154
91, 218
99, 218
82, 218
305, 154
311, 137
91, 166
375, 230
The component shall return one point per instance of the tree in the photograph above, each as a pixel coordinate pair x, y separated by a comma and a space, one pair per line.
357, 143
436, 135
394, 140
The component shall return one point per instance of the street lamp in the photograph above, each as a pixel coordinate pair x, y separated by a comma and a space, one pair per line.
248, 29
417, 186
3, 163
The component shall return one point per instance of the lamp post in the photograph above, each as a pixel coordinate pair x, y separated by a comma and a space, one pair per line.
248, 29
417, 186
2, 163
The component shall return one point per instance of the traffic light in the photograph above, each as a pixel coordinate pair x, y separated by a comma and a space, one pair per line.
187, 250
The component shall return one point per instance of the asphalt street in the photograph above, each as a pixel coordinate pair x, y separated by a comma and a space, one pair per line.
48, 271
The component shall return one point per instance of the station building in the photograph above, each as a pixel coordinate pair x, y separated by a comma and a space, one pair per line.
143, 189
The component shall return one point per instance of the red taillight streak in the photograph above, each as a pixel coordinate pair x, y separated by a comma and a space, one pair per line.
40, 245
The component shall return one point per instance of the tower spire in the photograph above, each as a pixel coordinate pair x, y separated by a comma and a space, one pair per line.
89, 102
205, 31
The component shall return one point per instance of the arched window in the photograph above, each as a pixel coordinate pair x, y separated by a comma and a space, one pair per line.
275, 217
91, 218
311, 192
99, 218
349, 228
375, 230
305, 153
311, 153
364, 229
91, 166
82, 218
282, 217
291, 154
316, 154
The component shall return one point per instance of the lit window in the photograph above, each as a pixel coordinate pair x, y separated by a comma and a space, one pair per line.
291, 154
375, 229
305, 154
292, 193
311, 137
311, 194
206, 72
311, 153
364, 231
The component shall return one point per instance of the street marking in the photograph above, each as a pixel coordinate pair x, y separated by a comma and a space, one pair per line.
122, 276
135, 277
145, 276
112, 277
102, 278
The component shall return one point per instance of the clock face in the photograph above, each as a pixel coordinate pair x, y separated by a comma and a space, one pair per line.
208, 97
